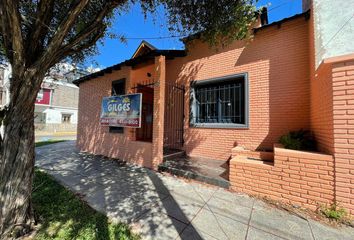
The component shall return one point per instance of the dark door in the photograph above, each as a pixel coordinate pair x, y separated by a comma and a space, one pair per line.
145, 132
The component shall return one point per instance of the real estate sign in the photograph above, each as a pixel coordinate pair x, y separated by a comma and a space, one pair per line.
122, 111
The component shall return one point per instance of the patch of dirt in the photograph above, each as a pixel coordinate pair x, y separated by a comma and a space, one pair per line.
306, 213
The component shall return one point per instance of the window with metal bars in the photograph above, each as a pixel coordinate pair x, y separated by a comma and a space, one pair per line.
221, 102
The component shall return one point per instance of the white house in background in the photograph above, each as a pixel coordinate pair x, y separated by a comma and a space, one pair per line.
56, 105
5, 72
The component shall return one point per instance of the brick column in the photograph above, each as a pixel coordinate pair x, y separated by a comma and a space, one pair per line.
343, 117
129, 132
159, 109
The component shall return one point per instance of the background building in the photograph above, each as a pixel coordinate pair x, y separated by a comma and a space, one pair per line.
56, 105
5, 71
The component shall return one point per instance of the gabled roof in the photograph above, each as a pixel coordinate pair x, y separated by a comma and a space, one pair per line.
143, 49
169, 54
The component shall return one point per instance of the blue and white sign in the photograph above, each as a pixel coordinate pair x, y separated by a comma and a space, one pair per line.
122, 111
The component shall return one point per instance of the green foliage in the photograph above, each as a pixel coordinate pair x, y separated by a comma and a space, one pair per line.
63, 216
218, 21
298, 140
334, 212
43, 143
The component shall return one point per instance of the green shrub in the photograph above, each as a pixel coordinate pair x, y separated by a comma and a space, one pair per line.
334, 212
299, 140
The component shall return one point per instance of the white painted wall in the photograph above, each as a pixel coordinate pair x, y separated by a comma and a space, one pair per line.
6, 84
54, 115
334, 27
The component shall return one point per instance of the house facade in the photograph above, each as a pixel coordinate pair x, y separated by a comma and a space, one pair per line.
56, 104
233, 103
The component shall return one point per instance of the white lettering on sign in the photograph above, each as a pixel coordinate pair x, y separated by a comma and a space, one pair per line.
113, 107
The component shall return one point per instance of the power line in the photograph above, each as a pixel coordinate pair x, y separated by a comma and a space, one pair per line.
279, 5
164, 37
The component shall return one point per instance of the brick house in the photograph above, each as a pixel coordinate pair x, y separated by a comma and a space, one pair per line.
234, 103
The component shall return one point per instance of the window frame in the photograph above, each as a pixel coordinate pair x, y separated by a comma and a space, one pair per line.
192, 102
111, 128
64, 115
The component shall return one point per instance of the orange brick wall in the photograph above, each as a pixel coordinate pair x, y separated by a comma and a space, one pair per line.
322, 108
277, 62
321, 98
96, 139
343, 101
159, 106
296, 177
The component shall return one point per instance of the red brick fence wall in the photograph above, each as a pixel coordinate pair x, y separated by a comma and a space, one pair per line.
298, 177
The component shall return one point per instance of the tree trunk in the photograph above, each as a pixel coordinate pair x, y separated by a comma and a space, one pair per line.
17, 168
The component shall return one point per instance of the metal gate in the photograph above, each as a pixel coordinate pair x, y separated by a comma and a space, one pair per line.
174, 116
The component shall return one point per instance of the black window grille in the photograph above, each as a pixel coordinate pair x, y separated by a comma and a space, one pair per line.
118, 88
220, 102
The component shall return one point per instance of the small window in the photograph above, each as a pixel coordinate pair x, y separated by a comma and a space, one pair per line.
118, 88
221, 102
66, 118
39, 117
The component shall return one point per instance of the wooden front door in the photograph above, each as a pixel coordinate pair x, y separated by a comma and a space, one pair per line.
145, 132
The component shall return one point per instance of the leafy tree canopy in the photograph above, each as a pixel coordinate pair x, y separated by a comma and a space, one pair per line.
80, 24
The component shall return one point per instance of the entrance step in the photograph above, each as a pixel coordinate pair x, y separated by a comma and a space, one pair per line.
214, 172
170, 153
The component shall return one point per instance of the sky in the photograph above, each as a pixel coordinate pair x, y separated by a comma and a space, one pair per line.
133, 26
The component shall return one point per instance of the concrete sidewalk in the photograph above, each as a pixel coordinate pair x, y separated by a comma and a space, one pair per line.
162, 207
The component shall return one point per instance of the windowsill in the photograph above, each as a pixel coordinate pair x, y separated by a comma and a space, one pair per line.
219, 125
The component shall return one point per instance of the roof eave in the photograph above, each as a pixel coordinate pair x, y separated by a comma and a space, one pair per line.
169, 54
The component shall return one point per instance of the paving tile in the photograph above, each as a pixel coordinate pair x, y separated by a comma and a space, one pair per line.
73, 180
229, 209
203, 191
235, 198
190, 233
154, 201
96, 200
280, 223
120, 209
218, 226
124, 204
191, 194
256, 234
158, 226
323, 232
179, 209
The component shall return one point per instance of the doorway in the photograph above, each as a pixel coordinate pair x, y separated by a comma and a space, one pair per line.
145, 132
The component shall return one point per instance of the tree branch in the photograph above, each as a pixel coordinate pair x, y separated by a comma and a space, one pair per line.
40, 27
95, 28
96, 25
66, 52
11, 31
62, 31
